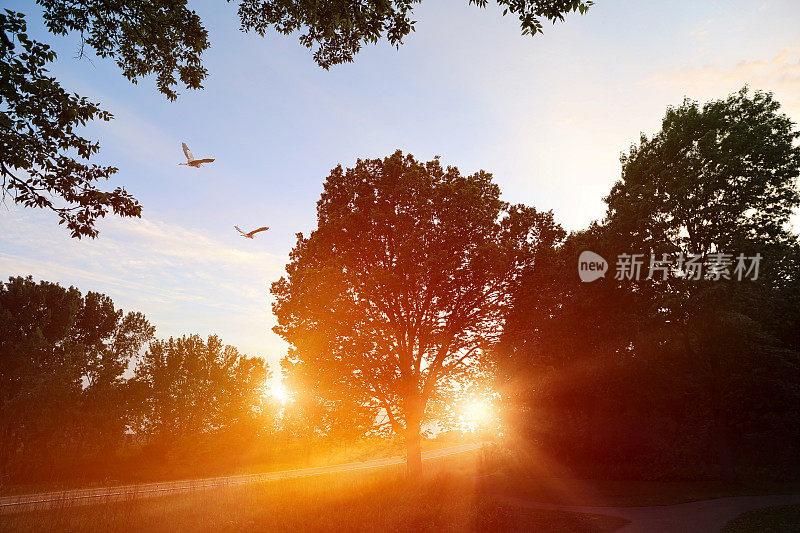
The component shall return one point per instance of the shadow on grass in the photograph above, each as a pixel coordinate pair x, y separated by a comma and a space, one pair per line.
375, 501
779, 519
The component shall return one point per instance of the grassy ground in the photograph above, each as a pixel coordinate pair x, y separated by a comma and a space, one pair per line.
569, 491
781, 519
372, 501
182, 468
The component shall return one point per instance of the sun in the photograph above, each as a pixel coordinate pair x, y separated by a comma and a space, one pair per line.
476, 415
279, 393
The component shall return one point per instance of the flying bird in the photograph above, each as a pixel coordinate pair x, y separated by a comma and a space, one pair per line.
190, 160
252, 233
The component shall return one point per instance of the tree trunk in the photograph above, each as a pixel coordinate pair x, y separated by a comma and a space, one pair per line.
413, 447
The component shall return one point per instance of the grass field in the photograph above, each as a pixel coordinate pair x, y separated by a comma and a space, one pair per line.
448, 499
780, 519
463, 492
177, 469
574, 491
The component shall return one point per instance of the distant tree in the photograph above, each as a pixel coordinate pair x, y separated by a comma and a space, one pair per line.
62, 356
189, 387
399, 293
40, 153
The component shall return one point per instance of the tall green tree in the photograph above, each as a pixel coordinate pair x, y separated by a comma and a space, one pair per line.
720, 178
716, 177
692, 372
399, 293
62, 358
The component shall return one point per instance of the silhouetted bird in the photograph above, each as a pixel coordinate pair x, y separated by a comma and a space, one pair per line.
191, 161
252, 233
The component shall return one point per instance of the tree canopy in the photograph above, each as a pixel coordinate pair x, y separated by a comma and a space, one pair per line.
43, 159
166, 39
144, 37
716, 177
336, 31
188, 387
81, 380
399, 293
62, 358
708, 367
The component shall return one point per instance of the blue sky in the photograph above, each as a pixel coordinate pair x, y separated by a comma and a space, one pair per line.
548, 115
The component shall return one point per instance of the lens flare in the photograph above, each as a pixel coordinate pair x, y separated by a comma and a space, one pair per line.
476, 415
279, 393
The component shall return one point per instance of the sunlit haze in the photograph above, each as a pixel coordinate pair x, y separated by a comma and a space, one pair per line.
548, 116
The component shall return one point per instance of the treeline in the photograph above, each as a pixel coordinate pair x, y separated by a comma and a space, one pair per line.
682, 361
672, 377
87, 392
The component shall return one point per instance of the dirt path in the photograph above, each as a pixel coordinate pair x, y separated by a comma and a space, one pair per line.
705, 516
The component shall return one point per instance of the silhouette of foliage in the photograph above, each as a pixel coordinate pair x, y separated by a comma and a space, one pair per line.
189, 387
336, 31
673, 377
166, 39
714, 178
144, 37
38, 121
400, 291
62, 356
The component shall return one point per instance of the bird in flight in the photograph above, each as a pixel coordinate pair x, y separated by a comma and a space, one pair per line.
252, 233
190, 160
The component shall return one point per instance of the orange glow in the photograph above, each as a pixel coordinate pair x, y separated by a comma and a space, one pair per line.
476, 415
279, 393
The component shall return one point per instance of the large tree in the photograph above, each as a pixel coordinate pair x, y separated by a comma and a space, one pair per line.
62, 357
716, 177
695, 372
397, 296
721, 177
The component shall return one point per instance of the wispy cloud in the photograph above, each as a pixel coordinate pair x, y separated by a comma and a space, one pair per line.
779, 74
183, 280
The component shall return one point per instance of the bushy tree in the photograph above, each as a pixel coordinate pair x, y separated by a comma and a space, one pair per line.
62, 357
189, 387
721, 176
400, 291
692, 372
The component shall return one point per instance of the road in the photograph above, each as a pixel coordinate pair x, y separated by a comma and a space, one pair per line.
66, 498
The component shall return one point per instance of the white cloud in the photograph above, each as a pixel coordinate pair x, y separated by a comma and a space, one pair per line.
181, 279
780, 74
